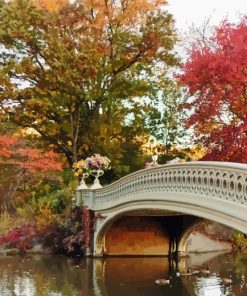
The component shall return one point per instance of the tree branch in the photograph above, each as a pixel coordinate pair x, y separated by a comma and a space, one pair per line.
124, 67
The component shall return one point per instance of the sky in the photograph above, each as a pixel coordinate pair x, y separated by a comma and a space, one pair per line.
187, 12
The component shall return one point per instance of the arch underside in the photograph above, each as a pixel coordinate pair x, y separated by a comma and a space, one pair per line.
220, 212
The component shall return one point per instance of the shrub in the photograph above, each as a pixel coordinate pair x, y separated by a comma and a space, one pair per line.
46, 218
20, 235
26, 213
6, 223
240, 240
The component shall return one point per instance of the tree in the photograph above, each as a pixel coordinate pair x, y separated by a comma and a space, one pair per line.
19, 163
215, 77
165, 119
73, 74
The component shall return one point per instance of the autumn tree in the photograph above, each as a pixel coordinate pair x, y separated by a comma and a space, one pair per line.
19, 162
74, 73
215, 78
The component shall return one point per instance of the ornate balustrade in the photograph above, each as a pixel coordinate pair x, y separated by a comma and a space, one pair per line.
220, 180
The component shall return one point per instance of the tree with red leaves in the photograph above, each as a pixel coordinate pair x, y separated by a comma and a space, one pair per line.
25, 163
215, 76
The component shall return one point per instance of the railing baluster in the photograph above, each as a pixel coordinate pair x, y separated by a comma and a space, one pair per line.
216, 179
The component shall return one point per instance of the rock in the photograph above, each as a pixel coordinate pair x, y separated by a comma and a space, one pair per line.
39, 249
36, 249
10, 251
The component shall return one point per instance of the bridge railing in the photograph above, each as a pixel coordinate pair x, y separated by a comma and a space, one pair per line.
220, 180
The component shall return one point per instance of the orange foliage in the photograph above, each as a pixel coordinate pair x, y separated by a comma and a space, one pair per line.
100, 14
5, 143
31, 160
51, 5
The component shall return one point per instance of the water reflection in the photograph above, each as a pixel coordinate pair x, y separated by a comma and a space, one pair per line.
210, 286
43, 275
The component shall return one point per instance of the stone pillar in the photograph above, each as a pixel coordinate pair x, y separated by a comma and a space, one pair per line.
99, 247
78, 198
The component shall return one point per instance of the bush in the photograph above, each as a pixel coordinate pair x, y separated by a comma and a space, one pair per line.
66, 237
20, 236
6, 223
57, 192
46, 218
240, 240
26, 213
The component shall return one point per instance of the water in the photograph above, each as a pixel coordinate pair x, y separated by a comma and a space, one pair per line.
47, 275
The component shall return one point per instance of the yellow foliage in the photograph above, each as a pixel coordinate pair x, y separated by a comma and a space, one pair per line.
25, 213
240, 240
46, 217
196, 152
6, 223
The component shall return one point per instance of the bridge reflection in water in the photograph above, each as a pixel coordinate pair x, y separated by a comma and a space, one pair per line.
42, 275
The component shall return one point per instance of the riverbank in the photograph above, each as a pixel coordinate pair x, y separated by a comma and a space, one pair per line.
64, 236
196, 243
67, 237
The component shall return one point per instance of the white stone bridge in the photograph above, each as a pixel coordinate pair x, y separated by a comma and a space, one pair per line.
215, 191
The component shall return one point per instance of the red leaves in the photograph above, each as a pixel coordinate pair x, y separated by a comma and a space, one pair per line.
37, 160
5, 143
32, 160
18, 234
216, 79
229, 144
88, 226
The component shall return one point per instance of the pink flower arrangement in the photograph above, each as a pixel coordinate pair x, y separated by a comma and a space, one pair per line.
94, 162
98, 162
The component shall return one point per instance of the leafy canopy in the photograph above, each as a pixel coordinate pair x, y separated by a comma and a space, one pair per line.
72, 73
215, 76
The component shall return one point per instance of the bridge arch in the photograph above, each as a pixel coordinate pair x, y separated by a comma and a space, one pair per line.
215, 191
163, 208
